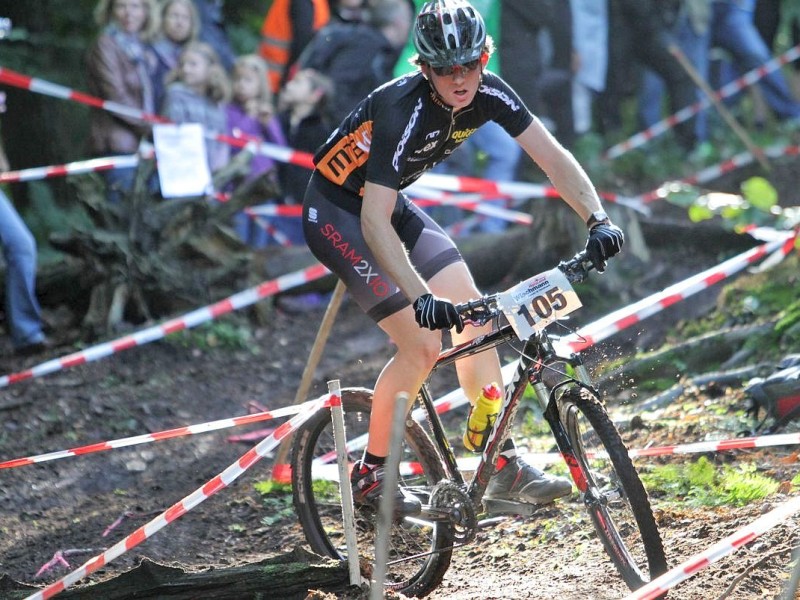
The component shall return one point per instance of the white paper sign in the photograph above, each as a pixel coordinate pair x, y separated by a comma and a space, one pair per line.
182, 160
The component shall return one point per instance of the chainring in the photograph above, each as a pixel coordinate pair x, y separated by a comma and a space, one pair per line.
448, 497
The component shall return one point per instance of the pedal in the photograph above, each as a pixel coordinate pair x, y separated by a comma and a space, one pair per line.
509, 507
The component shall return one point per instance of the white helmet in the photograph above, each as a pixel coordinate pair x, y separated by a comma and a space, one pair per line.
449, 32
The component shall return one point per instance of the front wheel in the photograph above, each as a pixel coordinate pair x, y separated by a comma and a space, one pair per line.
611, 489
419, 549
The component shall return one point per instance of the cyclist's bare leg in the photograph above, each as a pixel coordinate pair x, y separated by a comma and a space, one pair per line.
417, 350
456, 284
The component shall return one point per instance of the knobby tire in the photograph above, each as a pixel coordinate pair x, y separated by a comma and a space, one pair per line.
317, 499
623, 518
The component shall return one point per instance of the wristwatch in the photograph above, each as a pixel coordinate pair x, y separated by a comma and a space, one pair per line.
596, 218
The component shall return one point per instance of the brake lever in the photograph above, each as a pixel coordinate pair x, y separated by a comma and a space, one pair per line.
475, 312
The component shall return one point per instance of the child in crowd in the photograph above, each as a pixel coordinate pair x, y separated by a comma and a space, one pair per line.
180, 25
302, 106
196, 93
251, 114
304, 120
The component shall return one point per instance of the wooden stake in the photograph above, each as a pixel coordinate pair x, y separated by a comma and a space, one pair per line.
279, 465
721, 108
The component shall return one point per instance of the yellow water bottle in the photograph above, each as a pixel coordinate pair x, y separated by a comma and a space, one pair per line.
482, 416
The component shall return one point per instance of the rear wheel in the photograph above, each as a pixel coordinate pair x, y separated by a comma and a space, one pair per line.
419, 549
612, 491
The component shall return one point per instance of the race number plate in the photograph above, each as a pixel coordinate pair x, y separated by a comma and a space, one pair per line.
536, 302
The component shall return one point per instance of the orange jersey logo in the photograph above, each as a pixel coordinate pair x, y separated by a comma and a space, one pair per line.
347, 155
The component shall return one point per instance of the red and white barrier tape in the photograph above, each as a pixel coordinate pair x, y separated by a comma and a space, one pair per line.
469, 463
94, 165
280, 153
39, 86
762, 441
688, 112
180, 508
157, 436
713, 172
189, 320
634, 313
638, 311
730, 544
507, 189
481, 204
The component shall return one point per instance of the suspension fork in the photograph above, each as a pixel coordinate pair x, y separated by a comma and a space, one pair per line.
547, 399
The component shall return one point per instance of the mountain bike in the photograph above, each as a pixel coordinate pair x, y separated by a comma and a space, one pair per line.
421, 547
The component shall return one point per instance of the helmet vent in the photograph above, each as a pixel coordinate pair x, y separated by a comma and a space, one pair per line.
449, 32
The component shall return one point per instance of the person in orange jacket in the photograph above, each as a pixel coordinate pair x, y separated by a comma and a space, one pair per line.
287, 29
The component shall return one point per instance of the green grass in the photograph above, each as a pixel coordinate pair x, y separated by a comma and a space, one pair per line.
224, 333
277, 501
701, 483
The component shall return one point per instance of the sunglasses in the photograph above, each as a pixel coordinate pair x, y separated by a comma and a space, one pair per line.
467, 67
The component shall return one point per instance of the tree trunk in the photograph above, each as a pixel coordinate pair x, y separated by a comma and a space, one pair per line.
288, 576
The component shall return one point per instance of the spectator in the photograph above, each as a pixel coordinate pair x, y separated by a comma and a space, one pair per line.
733, 30
639, 39
349, 11
212, 30
305, 123
196, 92
772, 17
287, 29
251, 114
358, 57
23, 315
590, 44
180, 24
120, 65
541, 31
689, 26
302, 106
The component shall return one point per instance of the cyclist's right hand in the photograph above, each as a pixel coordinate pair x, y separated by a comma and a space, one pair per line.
436, 313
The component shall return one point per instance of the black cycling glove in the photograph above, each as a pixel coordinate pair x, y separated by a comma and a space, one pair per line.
605, 240
435, 313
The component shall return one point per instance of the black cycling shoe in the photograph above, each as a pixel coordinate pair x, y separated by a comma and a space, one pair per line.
368, 489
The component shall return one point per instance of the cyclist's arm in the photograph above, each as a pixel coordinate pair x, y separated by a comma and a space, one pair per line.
561, 168
376, 225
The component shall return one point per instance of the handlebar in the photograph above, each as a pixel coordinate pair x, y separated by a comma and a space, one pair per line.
481, 311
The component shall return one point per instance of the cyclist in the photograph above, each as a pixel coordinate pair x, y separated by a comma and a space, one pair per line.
398, 264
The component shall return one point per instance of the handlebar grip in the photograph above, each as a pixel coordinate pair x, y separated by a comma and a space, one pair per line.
577, 268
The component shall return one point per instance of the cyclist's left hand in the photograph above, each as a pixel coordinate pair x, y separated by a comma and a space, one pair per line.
605, 240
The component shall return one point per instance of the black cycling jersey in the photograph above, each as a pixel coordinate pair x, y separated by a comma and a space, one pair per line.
398, 132
403, 129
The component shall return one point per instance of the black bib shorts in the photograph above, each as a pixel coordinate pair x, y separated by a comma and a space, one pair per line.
332, 228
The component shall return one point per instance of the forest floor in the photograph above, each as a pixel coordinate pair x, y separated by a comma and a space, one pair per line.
81, 505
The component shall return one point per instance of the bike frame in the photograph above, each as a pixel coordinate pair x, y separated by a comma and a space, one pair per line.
535, 360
